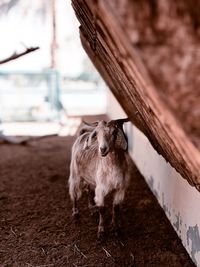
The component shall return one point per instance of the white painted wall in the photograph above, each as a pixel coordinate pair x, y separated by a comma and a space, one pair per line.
180, 201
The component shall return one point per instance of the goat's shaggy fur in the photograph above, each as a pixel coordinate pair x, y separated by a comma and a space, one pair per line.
100, 159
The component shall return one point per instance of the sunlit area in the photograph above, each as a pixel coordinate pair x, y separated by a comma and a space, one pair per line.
48, 89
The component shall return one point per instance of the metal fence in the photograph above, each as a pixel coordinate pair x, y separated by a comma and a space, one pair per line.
48, 96
29, 96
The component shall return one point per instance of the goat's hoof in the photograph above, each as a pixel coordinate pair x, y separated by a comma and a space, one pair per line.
75, 216
116, 230
101, 233
93, 210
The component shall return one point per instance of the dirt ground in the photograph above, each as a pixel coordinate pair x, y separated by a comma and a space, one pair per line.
36, 225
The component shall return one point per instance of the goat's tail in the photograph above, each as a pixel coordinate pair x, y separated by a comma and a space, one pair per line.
75, 190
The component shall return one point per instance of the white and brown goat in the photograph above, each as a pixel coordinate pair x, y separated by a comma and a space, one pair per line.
100, 160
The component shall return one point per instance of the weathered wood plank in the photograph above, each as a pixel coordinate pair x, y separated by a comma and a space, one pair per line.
120, 66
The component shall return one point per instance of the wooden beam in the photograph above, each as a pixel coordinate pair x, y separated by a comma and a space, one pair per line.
119, 64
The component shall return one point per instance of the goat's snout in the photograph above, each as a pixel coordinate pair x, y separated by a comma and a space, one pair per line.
104, 151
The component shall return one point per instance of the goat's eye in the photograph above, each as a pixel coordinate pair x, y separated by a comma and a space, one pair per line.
94, 135
113, 134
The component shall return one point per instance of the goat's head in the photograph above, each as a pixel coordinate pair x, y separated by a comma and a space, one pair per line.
110, 136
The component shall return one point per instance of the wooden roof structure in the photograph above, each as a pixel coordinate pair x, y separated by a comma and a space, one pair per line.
111, 51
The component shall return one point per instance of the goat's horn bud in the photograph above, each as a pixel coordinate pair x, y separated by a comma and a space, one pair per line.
93, 124
121, 121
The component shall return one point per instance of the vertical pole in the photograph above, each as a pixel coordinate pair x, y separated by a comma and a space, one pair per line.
54, 35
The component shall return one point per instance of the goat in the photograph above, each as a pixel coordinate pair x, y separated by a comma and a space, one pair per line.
100, 159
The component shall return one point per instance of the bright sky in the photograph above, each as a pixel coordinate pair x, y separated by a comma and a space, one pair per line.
18, 28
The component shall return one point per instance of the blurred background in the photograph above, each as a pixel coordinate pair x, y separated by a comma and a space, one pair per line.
46, 90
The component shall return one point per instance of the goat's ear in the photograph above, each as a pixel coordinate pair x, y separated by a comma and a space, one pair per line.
121, 140
91, 136
88, 141
85, 145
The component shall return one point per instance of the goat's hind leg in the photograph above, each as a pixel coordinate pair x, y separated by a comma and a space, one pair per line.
91, 204
75, 193
75, 211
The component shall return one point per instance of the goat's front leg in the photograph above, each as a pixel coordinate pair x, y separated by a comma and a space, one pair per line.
118, 199
101, 229
99, 200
